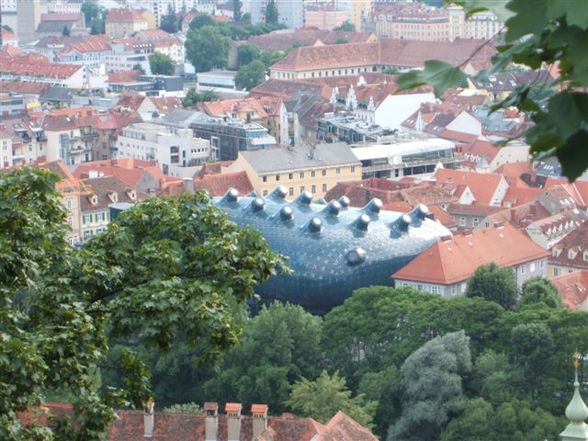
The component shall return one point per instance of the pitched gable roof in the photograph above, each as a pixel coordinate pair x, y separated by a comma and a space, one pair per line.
454, 260
573, 289
482, 185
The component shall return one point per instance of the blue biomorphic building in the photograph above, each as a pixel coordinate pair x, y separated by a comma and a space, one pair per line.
332, 248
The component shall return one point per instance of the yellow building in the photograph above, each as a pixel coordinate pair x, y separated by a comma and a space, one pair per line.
359, 9
299, 169
125, 22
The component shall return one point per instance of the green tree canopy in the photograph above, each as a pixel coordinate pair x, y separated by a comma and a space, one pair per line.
250, 75
193, 97
207, 49
345, 26
512, 421
280, 345
165, 270
542, 33
161, 64
139, 68
271, 12
322, 398
237, 10
539, 290
247, 53
169, 21
433, 386
494, 283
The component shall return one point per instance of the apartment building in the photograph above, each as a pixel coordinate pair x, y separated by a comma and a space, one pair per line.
316, 170
290, 13
125, 22
446, 266
22, 141
177, 151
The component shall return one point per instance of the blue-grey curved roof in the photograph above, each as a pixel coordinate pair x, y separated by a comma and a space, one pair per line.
332, 248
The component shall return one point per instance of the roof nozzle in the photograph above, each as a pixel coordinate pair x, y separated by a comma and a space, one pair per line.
362, 222
421, 211
373, 206
344, 201
403, 222
304, 198
286, 213
355, 256
257, 204
315, 225
231, 195
332, 208
279, 193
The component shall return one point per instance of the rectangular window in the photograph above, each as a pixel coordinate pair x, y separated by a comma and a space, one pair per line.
462, 221
324, 188
476, 221
313, 189
532, 267
556, 272
324, 172
291, 191
353, 169
312, 174
290, 176
277, 177
302, 189
338, 170
301, 175
264, 178
523, 268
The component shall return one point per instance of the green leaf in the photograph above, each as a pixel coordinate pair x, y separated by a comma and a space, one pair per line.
573, 155
498, 7
575, 42
440, 75
574, 11
530, 18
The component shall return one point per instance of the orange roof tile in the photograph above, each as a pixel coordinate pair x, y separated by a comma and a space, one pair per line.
482, 185
455, 260
573, 288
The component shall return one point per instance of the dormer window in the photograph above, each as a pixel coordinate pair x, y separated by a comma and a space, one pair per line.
556, 252
113, 196
132, 194
585, 257
94, 199
572, 254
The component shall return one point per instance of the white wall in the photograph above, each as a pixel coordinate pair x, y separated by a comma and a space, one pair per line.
466, 123
397, 108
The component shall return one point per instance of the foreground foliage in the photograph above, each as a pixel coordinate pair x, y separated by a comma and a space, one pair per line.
168, 269
538, 33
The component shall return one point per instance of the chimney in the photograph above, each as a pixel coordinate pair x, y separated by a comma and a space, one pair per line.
149, 419
233, 411
211, 424
259, 415
188, 185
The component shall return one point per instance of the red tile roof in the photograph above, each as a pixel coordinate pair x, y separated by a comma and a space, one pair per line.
451, 261
128, 170
170, 426
23, 87
125, 15
405, 53
218, 184
572, 250
482, 185
36, 66
573, 288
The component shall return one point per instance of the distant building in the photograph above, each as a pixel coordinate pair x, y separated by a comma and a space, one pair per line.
324, 18
11, 105
447, 265
418, 21
405, 157
95, 205
356, 58
228, 137
28, 18
124, 22
571, 253
23, 141
290, 13
299, 170
573, 288
177, 152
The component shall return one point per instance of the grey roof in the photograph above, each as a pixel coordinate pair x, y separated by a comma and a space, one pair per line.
55, 26
181, 117
284, 159
55, 93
